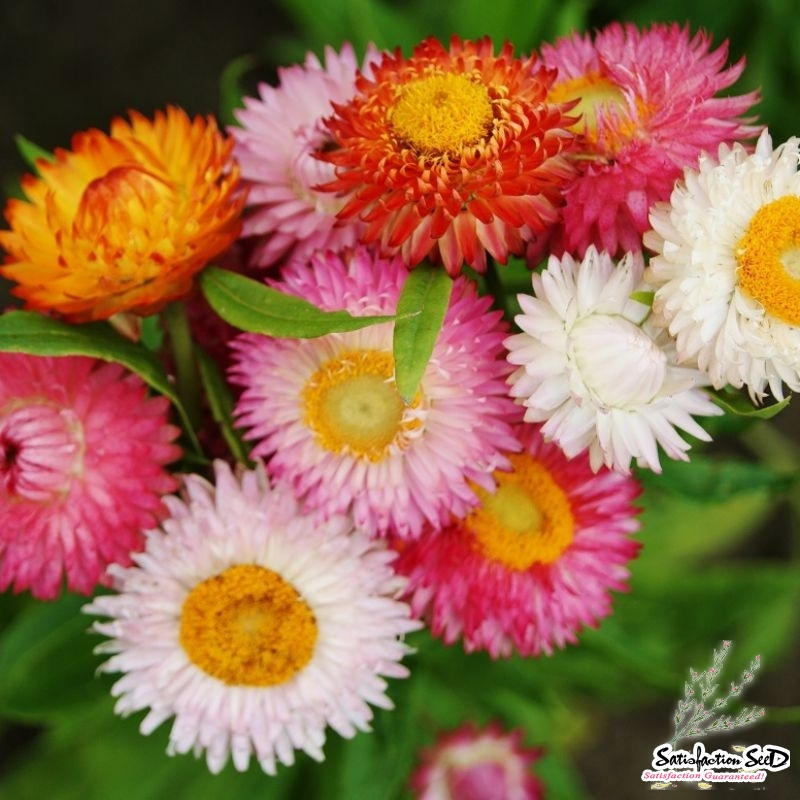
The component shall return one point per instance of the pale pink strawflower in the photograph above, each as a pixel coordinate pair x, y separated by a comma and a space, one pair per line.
534, 563
478, 764
82, 470
649, 105
281, 132
253, 627
597, 372
328, 416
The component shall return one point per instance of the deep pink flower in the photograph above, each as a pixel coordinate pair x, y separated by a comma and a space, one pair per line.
82, 455
649, 109
534, 563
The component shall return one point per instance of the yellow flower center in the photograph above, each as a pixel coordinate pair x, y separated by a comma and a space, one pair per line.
768, 256
353, 406
442, 113
248, 627
594, 92
527, 521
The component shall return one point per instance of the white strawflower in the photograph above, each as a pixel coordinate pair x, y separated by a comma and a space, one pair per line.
726, 268
594, 370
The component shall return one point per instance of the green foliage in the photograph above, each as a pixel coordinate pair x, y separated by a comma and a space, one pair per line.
221, 405
31, 153
421, 309
251, 306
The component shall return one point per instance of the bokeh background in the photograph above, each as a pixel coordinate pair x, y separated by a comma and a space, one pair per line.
721, 553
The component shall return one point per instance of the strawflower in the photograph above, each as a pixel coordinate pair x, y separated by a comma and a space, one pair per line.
596, 371
82, 470
123, 222
450, 153
534, 563
251, 626
327, 414
726, 267
280, 132
649, 108
478, 764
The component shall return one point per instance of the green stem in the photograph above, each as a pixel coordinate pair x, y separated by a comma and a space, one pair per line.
187, 376
495, 286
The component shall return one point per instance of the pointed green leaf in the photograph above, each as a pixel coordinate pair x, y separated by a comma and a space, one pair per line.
738, 404
420, 313
31, 153
30, 332
251, 306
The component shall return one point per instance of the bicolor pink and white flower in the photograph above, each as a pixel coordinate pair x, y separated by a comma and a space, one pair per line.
327, 414
594, 369
473, 763
280, 133
251, 626
534, 563
649, 106
83, 451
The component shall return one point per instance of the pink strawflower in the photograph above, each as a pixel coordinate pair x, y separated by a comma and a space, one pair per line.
251, 628
281, 133
478, 764
534, 563
649, 109
82, 455
328, 416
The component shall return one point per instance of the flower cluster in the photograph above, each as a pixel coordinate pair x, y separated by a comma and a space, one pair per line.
397, 451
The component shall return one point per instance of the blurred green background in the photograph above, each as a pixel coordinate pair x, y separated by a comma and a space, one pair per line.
720, 557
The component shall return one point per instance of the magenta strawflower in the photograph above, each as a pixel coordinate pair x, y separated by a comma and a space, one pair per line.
534, 563
281, 132
649, 105
478, 764
327, 415
82, 455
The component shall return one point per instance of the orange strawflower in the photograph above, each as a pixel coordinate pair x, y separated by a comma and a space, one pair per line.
451, 153
122, 222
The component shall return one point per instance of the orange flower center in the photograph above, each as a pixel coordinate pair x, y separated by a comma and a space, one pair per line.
353, 406
247, 626
442, 113
768, 256
527, 521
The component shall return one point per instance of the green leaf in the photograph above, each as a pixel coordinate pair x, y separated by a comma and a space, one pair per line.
645, 298
221, 403
420, 313
713, 479
32, 153
739, 404
46, 661
230, 87
29, 332
251, 306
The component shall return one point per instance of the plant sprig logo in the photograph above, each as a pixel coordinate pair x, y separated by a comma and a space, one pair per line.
702, 712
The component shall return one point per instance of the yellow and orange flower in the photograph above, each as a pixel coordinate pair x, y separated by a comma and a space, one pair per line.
122, 222
451, 153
